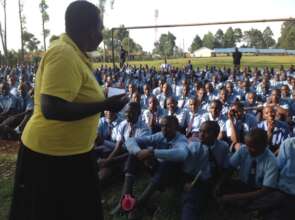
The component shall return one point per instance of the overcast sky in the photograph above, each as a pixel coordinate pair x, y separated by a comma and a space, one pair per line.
141, 12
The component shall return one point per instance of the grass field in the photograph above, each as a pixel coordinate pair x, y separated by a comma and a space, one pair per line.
252, 61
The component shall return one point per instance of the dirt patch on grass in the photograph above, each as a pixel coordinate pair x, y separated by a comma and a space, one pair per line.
9, 147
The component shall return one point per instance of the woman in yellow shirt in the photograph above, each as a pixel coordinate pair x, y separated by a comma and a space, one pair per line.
56, 173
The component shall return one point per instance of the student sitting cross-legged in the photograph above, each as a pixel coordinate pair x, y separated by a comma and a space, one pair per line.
207, 159
167, 149
132, 126
258, 173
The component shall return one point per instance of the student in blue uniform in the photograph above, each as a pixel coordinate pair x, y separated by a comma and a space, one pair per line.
207, 158
258, 173
167, 149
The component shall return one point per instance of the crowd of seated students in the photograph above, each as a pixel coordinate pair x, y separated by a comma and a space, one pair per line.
16, 99
189, 129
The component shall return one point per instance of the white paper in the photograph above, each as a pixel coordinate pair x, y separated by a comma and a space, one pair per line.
115, 91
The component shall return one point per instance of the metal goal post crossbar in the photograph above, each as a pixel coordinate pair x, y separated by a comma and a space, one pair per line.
194, 24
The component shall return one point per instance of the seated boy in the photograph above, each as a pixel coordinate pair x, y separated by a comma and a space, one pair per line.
167, 148
203, 168
258, 172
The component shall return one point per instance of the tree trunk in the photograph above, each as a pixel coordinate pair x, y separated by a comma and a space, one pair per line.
21, 29
3, 35
44, 37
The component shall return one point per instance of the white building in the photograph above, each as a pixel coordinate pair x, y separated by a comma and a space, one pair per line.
202, 52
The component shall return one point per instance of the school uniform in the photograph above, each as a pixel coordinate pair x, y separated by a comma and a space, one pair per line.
207, 161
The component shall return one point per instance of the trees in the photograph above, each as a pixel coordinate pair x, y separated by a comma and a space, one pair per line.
287, 39
45, 18
208, 40
3, 32
254, 38
30, 41
219, 39
268, 38
196, 44
166, 44
229, 38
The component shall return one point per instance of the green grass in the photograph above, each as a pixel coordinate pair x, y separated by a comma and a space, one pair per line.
252, 61
7, 166
162, 206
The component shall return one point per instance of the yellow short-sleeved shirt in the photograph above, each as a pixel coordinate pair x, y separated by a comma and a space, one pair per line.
64, 72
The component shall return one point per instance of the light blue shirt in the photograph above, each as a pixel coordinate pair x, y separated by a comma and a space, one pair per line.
199, 158
173, 150
124, 129
105, 127
266, 170
286, 162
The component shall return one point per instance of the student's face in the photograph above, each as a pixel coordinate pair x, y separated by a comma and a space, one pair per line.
132, 115
4, 88
254, 149
165, 88
185, 90
168, 128
131, 88
193, 105
223, 95
229, 88
171, 104
201, 93
146, 90
269, 114
285, 91
110, 115
206, 136
251, 98
152, 104
215, 112
275, 96
209, 87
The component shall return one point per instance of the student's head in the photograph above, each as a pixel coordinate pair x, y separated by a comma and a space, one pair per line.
169, 126
251, 97
171, 104
209, 87
153, 103
84, 25
133, 111
285, 91
275, 96
201, 93
109, 115
185, 90
193, 104
269, 113
209, 131
131, 88
166, 88
146, 89
229, 87
256, 141
238, 110
22, 89
135, 97
223, 95
215, 108
4, 88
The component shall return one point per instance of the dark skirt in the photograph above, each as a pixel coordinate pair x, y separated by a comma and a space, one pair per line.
55, 187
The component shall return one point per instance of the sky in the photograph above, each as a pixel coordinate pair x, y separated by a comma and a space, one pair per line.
142, 12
